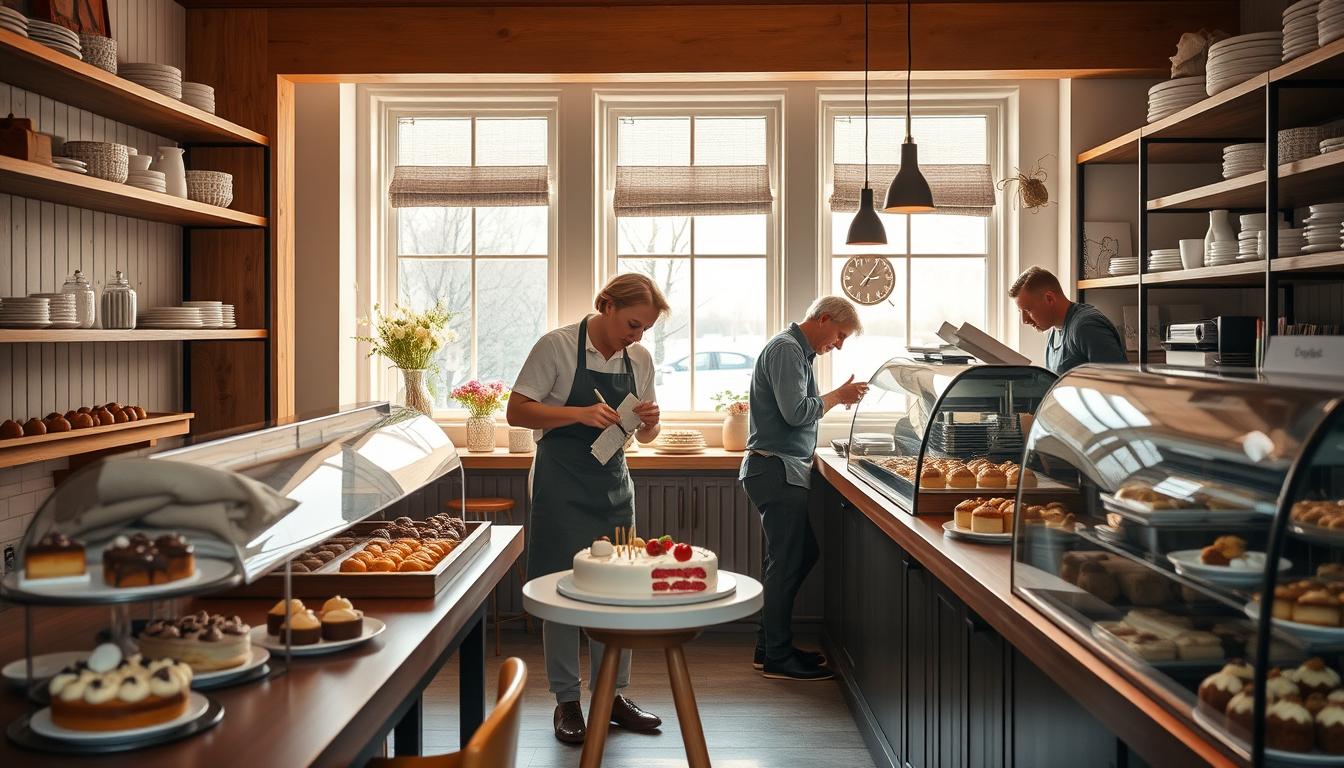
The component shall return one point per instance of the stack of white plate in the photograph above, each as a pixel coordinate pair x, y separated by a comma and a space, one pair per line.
230, 320
1290, 242
13, 21
1219, 253
1124, 266
1299, 28
55, 36
70, 164
1330, 145
1249, 243
156, 77
170, 317
60, 309
1323, 226
1164, 259
154, 181
1238, 59
1174, 95
1241, 159
212, 312
199, 95
1329, 21
24, 312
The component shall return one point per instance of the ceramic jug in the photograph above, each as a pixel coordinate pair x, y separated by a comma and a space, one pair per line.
1220, 230
169, 162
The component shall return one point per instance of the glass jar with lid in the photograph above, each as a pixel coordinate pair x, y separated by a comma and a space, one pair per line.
86, 303
118, 308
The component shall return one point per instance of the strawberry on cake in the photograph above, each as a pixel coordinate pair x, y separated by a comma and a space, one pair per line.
645, 569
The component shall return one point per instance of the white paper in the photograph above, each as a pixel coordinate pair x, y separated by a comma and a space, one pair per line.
613, 438
629, 419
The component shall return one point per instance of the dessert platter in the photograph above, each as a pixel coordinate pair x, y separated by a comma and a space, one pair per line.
1321, 521
1225, 562
679, 441
336, 626
218, 648
1141, 502
1304, 714
130, 567
990, 520
627, 570
1312, 608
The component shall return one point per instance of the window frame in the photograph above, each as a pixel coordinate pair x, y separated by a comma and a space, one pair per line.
382, 383
611, 108
994, 110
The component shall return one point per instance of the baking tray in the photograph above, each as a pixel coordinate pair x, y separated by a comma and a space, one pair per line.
328, 580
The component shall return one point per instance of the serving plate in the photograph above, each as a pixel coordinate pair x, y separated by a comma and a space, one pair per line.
1308, 632
951, 530
372, 628
1187, 563
727, 585
42, 725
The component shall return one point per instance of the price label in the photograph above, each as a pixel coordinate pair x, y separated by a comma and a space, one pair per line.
1312, 355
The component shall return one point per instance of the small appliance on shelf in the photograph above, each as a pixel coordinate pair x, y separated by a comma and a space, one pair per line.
1226, 340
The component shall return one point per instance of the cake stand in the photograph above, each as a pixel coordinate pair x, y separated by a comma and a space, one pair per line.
623, 627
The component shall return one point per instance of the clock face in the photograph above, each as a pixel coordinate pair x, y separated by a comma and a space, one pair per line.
868, 279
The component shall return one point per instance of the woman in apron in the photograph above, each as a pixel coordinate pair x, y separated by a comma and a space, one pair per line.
576, 500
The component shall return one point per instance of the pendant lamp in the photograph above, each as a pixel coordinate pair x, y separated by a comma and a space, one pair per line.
909, 192
866, 227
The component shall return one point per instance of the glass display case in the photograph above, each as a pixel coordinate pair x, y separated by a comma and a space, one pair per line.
920, 416
1203, 554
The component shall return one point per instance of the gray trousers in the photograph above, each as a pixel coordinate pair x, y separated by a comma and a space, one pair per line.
561, 644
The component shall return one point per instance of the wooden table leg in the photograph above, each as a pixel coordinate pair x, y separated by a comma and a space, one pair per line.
692, 734
599, 708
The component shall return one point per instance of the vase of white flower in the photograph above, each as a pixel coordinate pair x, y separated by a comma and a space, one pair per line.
409, 340
735, 421
415, 392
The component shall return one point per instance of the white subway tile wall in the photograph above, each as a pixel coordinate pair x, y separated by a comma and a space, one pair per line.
41, 243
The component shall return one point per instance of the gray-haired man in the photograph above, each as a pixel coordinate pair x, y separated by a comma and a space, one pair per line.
777, 471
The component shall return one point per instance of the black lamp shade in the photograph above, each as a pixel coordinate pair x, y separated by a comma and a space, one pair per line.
866, 227
909, 192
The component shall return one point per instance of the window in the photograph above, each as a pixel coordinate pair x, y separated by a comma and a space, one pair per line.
714, 262
489, 264
942, 262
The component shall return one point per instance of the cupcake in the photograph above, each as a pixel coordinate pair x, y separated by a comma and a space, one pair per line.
1218, 689
1240, 668
276, 617
1336, 696
342, 624
1330, 729
1289, 726
1315, 703
1241, 712
305, 629
1315, 677
1278, 685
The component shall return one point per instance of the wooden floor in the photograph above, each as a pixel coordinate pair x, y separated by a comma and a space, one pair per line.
749, 722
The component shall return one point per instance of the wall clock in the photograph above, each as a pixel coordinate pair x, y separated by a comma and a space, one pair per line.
868, 279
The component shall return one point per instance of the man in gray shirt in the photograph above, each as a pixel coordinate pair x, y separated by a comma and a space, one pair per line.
1076, 333
777, 471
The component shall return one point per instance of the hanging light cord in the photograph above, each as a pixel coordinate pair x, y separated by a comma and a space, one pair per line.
865, 94
909, 65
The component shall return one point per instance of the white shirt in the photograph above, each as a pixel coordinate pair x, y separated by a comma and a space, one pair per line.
549, 370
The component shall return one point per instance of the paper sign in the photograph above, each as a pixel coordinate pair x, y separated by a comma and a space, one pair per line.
613, 438
1312, 355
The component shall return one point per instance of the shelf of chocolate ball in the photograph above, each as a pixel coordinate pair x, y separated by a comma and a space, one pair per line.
327, 578
55, 445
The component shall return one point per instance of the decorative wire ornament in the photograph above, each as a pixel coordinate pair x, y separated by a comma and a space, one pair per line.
1031, 192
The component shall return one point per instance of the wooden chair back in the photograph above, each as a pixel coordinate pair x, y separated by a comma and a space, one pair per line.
495, 744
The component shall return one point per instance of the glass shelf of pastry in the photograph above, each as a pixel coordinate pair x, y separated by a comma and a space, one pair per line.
930, 435
221, 511
1197, 495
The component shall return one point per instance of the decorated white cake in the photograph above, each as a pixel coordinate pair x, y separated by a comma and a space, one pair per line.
644, 569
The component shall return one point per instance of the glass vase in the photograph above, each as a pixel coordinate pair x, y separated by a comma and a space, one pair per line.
415, 393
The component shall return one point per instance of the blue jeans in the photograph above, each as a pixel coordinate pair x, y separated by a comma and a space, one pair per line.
790, 553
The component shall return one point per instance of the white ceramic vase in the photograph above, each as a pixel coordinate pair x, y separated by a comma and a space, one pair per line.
481, 434
169, 162
1220, 230
735, 432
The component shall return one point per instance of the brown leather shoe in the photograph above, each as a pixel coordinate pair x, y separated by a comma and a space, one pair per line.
628, 715
569, 725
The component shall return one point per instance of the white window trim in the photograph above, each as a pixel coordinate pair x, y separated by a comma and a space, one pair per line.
379, 110
611, 106
998, 106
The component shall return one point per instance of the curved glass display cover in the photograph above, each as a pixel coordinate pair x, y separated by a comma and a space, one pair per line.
1175, 528
917, 411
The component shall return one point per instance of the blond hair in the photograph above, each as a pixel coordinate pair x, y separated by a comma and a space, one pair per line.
840, 311
1035, 279
629, 290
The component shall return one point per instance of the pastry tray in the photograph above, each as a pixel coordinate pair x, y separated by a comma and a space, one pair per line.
1145, 514
329, 580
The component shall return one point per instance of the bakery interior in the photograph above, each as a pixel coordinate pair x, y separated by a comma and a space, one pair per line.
220, 215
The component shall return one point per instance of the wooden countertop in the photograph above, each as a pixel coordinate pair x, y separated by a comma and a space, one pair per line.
324, 712
644, 458
980, 575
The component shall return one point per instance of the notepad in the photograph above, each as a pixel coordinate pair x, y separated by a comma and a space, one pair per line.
613, 438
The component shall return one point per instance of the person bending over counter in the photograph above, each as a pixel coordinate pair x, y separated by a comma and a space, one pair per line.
1076, 333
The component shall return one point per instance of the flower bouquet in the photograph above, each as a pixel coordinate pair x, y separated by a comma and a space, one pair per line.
409, 339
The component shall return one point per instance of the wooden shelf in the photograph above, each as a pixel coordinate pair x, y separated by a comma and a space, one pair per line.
1332, 261
1326, 62
1236, 113
32, 66
1123, 281
1314, 180
1249, 274
42, 182
80, 335
23, 450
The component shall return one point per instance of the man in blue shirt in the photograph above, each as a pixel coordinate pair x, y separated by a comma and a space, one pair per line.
777, 471
1077, 333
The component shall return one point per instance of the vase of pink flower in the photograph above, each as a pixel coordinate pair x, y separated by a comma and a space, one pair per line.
482, 401
734, 407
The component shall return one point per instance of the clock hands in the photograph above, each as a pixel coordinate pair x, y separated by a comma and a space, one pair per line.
870, 274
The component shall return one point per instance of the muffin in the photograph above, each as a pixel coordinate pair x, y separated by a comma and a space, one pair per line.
1240, 668
1330, 729
1218, 689
1289, 726
1278, 685
1315, 677
1241, 712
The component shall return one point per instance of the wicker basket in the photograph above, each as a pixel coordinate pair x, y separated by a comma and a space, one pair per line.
99, 51
105, 160
210, 187
1300, 143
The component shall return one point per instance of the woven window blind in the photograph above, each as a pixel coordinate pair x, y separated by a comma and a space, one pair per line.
692, 190
958, 189
459, 186
435, 163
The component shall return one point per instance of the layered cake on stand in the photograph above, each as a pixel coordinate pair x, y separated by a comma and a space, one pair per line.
639, 569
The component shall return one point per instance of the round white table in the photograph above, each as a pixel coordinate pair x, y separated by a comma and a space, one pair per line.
666, 627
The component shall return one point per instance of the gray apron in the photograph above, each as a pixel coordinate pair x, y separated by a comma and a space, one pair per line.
575, 499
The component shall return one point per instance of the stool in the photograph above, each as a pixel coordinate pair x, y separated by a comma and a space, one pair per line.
495, 509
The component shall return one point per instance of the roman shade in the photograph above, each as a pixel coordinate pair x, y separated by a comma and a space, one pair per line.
958, 189
465, 186
692, 190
